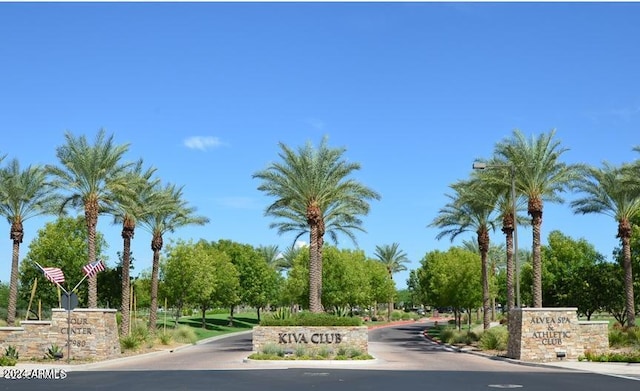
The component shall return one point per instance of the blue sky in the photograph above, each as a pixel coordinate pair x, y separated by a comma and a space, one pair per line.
414, 91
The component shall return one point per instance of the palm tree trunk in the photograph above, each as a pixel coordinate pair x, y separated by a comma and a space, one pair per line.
91, 217
511, 302
156, 246
483, 244
624, 232
13, 284
535, 210
314, 272
127, 234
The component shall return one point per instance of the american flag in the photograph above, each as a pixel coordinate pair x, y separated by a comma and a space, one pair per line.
92, 268
53, 274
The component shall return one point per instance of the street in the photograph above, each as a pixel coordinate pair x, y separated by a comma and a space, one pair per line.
403, 359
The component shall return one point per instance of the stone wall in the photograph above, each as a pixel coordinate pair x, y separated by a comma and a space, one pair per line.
552, 334
594, 336
290, 337
93, 335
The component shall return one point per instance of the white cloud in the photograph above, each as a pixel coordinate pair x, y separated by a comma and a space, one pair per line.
301, 244
202, 143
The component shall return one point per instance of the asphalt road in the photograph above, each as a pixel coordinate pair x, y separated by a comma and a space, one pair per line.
404, 360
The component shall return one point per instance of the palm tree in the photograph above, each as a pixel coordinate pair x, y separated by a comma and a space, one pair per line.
167, 212
540, 176
88, 173
502, 186
394, 261
314, 195
471, 208
133, 202
273, 256
23, 194
611, 191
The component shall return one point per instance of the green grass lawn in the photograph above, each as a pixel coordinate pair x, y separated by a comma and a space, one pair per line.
215, 323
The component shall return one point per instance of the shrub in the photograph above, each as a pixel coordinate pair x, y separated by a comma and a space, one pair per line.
129, 342
324, 352
273, 350
282, 313
7, 361
446, 335
165, 338
11, 352
617, 338
311, 319
494, 339
54, 352
185, 334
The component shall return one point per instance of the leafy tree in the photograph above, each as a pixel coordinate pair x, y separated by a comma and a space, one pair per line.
380, 285
345, 278
540, 176
452, 279
394, 261
110, 281
615, 192
417, 295
194, 273
495, 264
89, 173
258, 280
471, 208
567, 263
168, 213
314, 195
23, 194
63, 244
4, 295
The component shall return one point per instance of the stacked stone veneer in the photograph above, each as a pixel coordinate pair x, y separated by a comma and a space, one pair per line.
93, 335
553, 334
311, 337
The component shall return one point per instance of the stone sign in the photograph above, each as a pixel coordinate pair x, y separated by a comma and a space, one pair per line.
92, 334
551, 334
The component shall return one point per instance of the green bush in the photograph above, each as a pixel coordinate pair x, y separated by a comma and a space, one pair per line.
129, 342
282, 313
617, 338
11, 352
54, 352
7, 361
273, 350
311, 319
165, 338
447, 334
494, 338
185, 334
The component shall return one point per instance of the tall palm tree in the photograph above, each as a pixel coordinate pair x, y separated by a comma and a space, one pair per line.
133, 202
167, 212
313, 195
394, 261
611, 191
540, 176
470, 209
23, 194
502, 186
88, 173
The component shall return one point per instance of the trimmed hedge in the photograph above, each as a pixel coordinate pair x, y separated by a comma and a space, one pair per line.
311, 319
